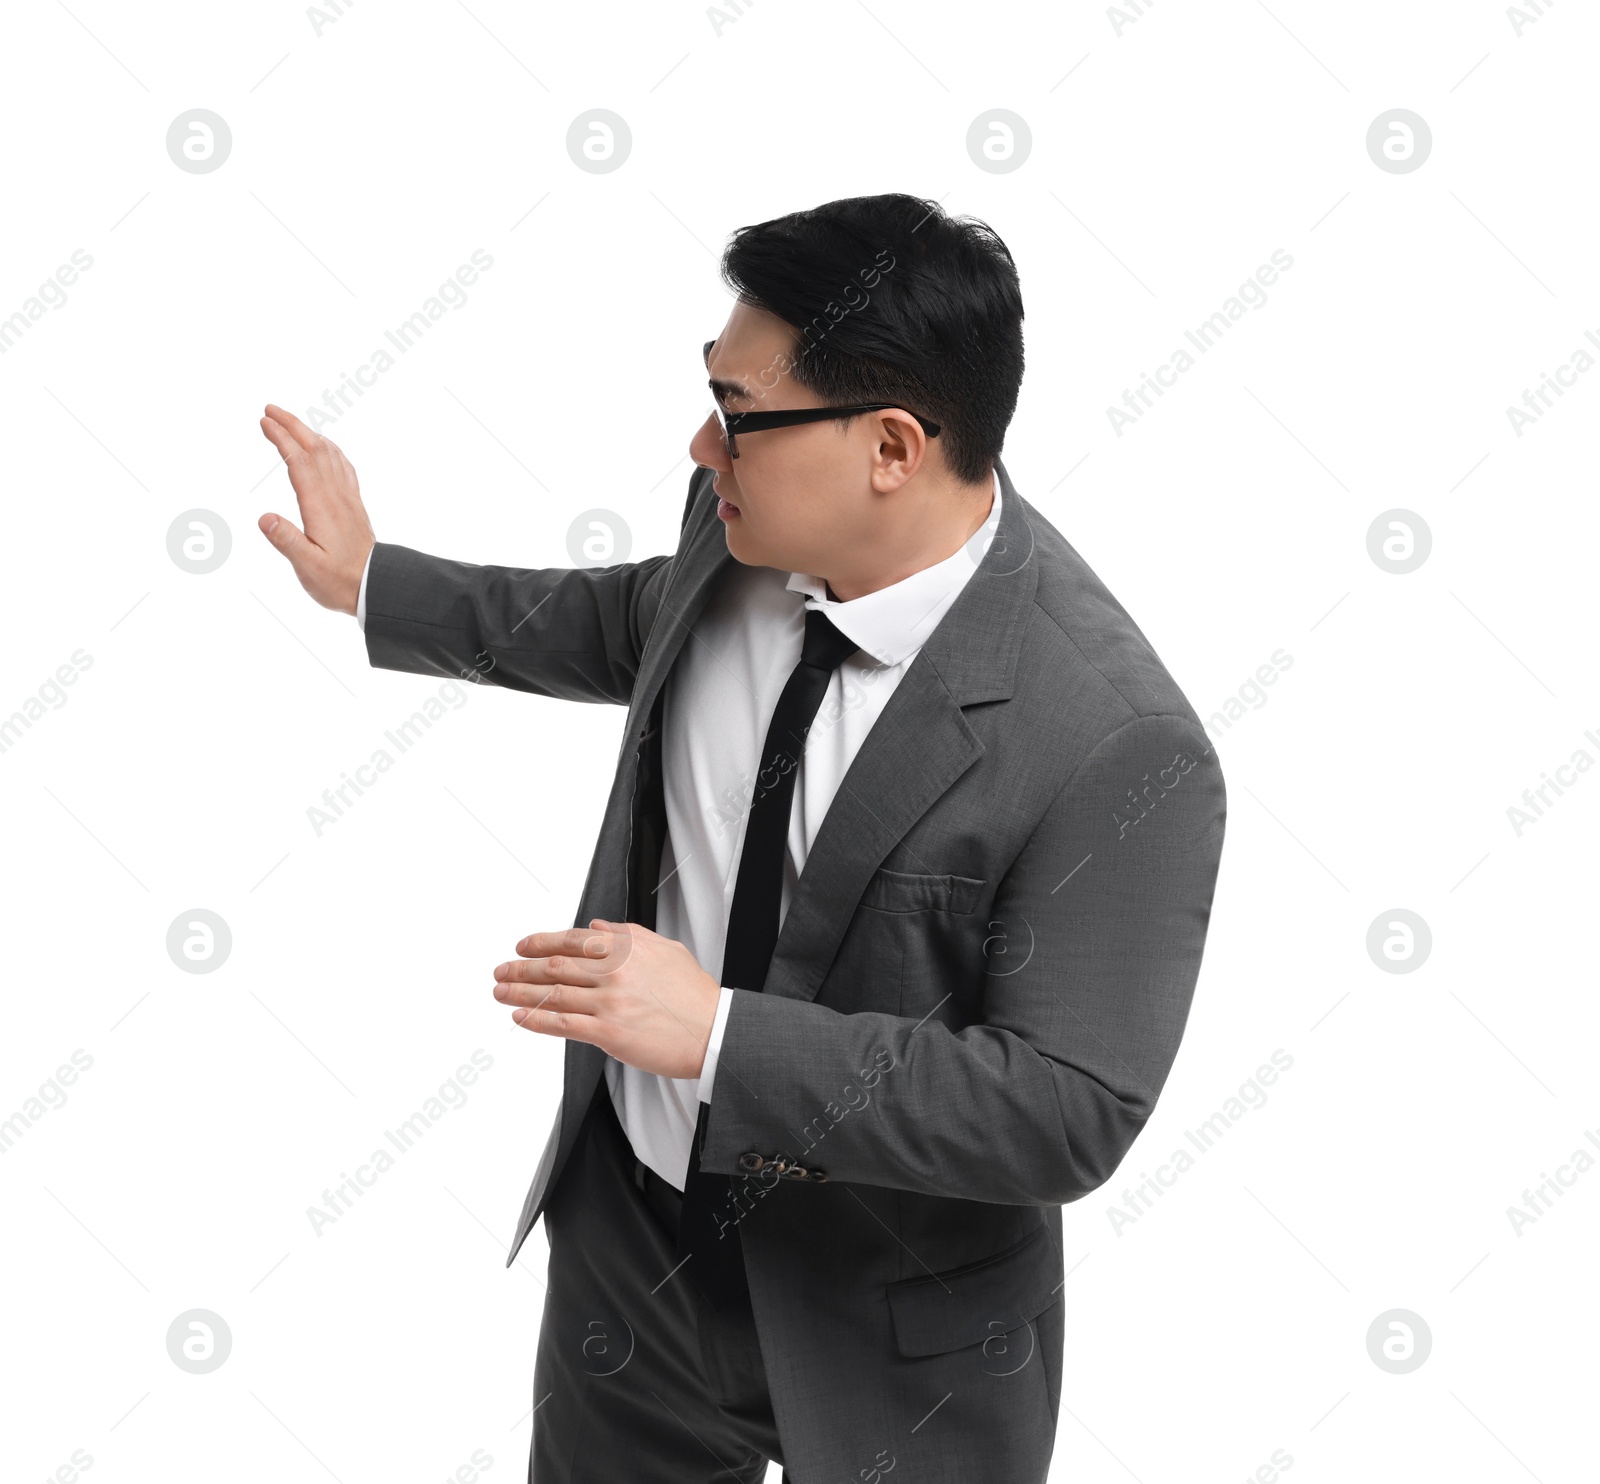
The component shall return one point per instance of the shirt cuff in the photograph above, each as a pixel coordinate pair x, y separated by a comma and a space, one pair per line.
361, 596
708, 1069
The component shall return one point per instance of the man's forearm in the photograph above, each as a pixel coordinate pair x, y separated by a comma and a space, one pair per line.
572, 633
885, 1100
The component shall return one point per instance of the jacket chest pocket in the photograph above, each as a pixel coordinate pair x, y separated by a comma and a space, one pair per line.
926, 935
901, 952
909, 891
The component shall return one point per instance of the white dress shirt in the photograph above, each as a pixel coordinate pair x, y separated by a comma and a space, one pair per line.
717, 703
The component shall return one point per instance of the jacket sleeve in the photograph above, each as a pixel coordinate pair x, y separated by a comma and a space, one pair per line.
573, 633
1094, 946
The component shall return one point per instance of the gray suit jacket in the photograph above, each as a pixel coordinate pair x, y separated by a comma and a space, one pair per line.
977, 993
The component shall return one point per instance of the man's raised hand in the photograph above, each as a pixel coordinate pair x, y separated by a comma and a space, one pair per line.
330, 554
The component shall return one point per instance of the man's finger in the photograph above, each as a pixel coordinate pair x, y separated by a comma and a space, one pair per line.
579, 942
554, 1010
575, 999
297, 429
622, 936
558, 1023
280, 438
552, 970
284, 534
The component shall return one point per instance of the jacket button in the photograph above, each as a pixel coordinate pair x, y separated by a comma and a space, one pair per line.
752, 1162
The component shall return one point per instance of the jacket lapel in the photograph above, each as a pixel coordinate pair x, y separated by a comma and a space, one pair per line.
919, 745
704, 563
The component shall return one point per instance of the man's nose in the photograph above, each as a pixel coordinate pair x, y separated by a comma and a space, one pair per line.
707, 448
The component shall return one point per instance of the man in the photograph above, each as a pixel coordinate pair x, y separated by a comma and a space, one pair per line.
898, 904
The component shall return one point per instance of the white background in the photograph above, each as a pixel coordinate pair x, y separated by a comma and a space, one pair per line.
1171, 155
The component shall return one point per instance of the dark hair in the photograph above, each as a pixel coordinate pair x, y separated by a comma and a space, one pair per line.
894, 301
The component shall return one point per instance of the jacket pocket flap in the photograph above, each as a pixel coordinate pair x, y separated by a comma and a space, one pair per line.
908, 891
969, 1305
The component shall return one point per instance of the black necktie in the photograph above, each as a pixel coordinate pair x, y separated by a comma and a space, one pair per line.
708, 1231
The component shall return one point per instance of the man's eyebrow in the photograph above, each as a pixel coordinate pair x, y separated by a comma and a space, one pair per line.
722, 390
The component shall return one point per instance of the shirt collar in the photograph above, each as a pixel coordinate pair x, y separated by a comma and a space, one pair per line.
892, 624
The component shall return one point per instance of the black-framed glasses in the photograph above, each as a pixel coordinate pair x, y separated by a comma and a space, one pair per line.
734, 423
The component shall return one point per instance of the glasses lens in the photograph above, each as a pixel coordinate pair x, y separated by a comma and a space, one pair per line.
722, 422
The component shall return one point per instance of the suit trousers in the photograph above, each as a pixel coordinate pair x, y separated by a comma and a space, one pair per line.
635, 1376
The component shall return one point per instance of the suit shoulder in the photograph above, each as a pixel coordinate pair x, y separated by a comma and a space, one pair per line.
1084, 645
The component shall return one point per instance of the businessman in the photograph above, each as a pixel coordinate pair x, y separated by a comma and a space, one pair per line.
894, 921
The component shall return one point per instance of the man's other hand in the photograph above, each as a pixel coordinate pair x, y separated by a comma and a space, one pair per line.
637, 996
330, 554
